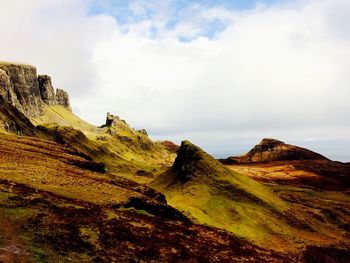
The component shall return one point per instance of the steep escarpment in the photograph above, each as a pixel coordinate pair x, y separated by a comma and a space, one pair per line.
21, 87
46, 90
14, 121
269, 150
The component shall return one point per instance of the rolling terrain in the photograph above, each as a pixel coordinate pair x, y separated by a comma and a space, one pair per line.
74, 192
284, 217
56, 208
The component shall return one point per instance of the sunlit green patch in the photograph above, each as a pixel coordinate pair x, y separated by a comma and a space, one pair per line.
139, 211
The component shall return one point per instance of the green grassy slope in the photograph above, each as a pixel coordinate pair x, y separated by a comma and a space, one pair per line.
53, 210
63, 117
124, 150
206, 191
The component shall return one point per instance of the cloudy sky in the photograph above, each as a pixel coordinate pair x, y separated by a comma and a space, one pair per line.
223, 74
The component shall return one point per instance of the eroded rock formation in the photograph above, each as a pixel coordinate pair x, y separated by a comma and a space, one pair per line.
21, 87
62, 99
46, 90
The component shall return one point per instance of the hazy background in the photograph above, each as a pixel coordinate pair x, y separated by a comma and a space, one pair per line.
223, 74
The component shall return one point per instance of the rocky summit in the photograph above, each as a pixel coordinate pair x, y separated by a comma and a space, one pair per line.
269, 150
21, 87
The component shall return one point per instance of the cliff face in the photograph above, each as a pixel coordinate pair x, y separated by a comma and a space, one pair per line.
62, 99
21, 87
14, 121
46, 90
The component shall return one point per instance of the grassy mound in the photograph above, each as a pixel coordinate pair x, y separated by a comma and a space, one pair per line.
209, 193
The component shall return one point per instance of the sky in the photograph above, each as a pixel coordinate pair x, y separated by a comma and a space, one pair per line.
223, 74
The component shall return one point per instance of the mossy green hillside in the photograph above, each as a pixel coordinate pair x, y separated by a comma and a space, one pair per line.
209, 193
123, 149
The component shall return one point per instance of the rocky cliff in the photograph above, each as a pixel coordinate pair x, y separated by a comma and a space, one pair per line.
14, 121
21, 87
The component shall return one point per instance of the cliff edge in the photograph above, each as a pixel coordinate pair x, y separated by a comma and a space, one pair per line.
21, 87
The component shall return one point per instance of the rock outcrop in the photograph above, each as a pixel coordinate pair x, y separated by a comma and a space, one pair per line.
46, 90
21, 87
193, 163
269, 150
112, 120
14, 121
62, 99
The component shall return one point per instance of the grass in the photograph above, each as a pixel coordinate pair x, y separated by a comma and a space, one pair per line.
59, 231
264, 214
63, 117
121, 148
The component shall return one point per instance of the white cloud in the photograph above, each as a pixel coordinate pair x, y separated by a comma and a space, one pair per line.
279, 71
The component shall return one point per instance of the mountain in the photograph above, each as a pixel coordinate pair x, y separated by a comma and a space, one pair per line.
71, 191
275, 161
59, 201
28, 92
124, 150
266, 215
55, 206
269, 150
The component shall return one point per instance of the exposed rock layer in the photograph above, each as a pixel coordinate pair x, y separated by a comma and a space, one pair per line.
46, 90
14, 121
62, 99
21, 87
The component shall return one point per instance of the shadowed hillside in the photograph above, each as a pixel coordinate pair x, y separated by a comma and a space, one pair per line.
13, 121
54, 207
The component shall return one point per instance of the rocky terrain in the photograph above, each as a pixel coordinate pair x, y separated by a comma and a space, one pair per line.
74, 192
21, 87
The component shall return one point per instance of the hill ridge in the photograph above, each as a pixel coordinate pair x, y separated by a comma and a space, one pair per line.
268, 150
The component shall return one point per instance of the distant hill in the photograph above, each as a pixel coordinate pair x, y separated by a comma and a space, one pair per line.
209, 193
269, 150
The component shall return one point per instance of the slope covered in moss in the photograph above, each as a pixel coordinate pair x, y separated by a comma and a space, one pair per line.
125, 151
209, 193
54, 208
